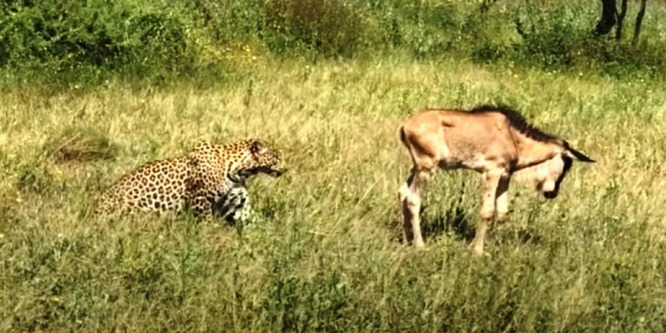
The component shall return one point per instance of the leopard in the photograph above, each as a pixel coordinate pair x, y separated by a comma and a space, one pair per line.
211, 180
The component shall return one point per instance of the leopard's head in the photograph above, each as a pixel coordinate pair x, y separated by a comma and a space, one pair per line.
263, 159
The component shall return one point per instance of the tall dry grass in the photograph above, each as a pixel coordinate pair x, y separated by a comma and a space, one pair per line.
326, 254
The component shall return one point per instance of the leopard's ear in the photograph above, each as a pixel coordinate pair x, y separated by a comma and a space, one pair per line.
257, 147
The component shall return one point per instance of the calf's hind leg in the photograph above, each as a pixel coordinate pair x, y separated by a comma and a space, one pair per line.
410, 202
502, 201
494, 180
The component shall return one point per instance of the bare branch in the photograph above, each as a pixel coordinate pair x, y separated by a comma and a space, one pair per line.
639, 21
620, 20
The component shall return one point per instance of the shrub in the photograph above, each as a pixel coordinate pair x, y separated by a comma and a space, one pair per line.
228, 21
74, 41
64, 36
334, 27
420, 27
561, 38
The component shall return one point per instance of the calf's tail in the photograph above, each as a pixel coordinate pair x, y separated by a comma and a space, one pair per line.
403, 138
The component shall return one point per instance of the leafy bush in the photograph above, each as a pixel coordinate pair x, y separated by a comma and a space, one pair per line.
55, 36
65, 31
228, 21
420, 27
334, 27
72, 41
560, 38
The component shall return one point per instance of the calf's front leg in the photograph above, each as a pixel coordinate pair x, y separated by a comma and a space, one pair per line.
492, 181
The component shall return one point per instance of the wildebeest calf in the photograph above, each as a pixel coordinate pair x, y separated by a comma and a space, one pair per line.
493, 140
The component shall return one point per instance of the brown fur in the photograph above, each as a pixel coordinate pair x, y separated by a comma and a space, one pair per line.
494, 141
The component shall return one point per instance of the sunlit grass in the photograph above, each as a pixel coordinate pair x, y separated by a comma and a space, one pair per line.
326, 254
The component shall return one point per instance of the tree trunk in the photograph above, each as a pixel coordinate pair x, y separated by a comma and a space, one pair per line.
485, 5
607, 21
620, 20
639, 21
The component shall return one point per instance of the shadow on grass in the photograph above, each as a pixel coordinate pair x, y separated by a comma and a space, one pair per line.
457, 221
506, 233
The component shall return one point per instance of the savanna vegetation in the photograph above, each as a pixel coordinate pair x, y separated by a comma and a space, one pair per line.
91, 89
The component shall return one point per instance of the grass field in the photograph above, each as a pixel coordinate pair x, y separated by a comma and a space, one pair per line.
326, 254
